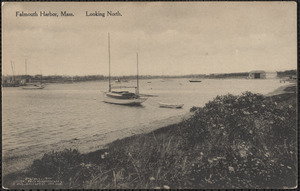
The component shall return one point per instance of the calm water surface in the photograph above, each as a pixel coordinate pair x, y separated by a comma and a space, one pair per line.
38, 121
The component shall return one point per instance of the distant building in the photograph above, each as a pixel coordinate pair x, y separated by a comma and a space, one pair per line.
24, 79
260, 74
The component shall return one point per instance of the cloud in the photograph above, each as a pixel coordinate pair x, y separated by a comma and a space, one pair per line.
171, 38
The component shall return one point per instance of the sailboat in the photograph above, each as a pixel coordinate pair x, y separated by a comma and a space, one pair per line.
14, 82
32, 86
122, 97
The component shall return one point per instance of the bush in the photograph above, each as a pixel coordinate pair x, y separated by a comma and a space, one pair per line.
66, 166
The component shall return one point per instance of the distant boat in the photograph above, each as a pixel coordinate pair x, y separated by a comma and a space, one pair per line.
33, 86
122, 97
195, 80
168, 105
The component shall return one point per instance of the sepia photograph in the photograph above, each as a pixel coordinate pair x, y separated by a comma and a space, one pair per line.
149, 95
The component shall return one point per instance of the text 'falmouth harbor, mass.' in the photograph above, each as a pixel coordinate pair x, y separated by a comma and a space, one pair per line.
43, 14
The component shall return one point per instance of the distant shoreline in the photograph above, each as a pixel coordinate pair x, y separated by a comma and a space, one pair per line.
125, 82
19, 80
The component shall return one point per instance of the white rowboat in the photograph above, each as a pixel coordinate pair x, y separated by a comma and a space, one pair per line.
168, 105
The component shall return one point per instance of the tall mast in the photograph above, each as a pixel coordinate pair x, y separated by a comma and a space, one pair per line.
11, 63
137, 73
25, 67
109, 86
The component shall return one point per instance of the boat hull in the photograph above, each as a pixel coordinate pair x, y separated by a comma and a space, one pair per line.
121, 95
195, 80
134, 101
33, 87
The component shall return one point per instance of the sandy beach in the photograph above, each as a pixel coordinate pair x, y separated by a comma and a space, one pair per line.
283, 89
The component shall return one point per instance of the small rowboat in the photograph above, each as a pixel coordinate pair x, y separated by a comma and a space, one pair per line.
195, 80
168, 105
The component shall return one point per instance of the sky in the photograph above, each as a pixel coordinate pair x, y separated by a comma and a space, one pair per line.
171, 38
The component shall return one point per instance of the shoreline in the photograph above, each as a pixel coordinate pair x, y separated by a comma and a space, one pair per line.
283, 89
87, 145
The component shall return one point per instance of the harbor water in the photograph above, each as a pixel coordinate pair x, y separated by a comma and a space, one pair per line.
64, 116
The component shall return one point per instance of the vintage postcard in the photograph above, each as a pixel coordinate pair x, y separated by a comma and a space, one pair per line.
149, 95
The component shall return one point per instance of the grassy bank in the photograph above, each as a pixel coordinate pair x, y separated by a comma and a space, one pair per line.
246, 141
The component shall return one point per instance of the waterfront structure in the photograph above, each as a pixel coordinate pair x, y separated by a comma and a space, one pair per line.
261, 74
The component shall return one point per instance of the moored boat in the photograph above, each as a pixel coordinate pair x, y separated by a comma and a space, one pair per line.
195, 80
122, 97
33, 86
169, 105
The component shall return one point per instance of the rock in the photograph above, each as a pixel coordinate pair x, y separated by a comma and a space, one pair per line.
246, 112
166, 187
152, 178
231, 169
